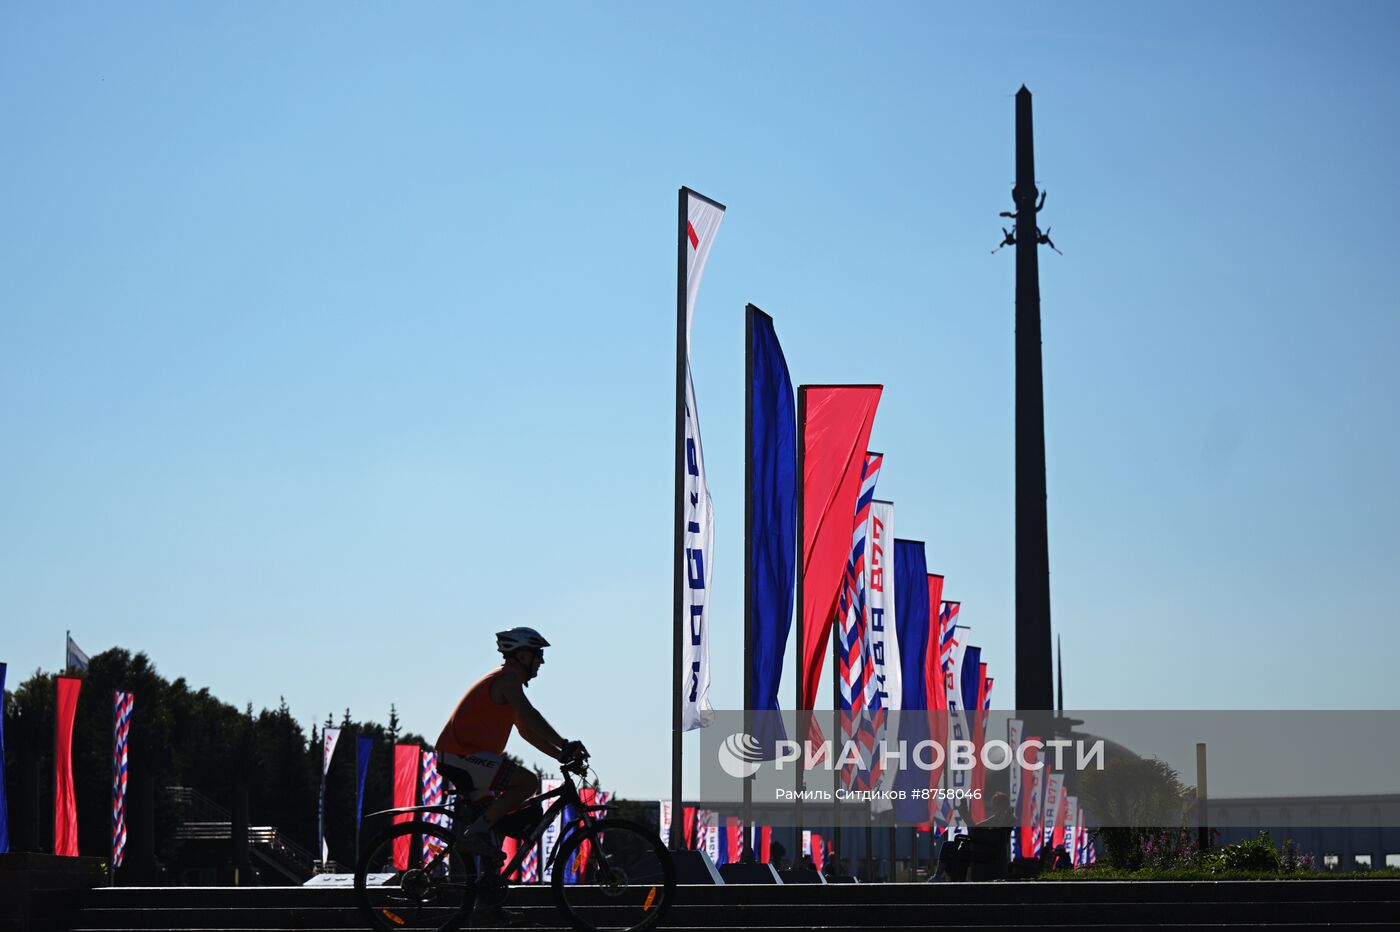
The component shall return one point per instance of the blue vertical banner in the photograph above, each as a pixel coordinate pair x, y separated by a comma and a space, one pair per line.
771, 567
911, 614
971, 680
4, 806
363, 746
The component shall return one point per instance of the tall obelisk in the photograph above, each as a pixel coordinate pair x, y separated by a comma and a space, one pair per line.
1034, 681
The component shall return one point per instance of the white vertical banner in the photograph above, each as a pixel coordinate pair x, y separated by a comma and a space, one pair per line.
1054, 786
1072, 829
959, 726
328, 742
703, 218
1015, 728
1037, 809
886, 672
1081, 832
550, 838
709, 822
664, 823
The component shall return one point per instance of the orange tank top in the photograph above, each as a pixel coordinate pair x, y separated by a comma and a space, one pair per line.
478, 723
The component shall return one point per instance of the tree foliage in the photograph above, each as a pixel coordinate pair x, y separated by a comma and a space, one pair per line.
1134, 798
182, 736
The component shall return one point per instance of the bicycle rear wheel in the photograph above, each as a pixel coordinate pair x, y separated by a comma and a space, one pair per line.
615, 876
397, 888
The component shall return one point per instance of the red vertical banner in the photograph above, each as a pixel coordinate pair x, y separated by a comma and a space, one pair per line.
405, 794
65, 805
733, 837
509, 847
935, 686
832, 439
688, 826
978, 720
935, 672
1029, 815
1061, 816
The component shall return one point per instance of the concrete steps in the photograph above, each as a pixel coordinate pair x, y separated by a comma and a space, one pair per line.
1341, 904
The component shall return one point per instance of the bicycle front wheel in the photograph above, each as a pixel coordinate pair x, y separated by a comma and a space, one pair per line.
615, 876
409, 878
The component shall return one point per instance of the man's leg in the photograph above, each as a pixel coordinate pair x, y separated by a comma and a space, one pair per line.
513, 789
520, 785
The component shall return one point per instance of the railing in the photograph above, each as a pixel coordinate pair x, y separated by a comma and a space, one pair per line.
205, 820
197, 806
265, 838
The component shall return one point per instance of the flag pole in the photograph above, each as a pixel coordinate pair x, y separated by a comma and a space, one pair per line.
800, 626
677, 621
748, 557
836, 647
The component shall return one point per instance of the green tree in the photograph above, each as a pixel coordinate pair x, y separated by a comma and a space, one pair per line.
1133, 798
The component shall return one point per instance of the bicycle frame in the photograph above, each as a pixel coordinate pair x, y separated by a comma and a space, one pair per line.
564, 795
567, 793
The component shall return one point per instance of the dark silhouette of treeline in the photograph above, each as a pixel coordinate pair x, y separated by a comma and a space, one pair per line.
181, 736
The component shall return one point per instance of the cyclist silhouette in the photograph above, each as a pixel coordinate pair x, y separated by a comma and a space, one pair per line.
474, 738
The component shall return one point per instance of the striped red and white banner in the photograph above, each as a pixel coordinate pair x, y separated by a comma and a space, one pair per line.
121, 731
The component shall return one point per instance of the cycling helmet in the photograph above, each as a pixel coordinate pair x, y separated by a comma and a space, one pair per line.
507, 642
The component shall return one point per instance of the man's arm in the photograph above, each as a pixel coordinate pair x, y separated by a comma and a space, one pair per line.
530, 723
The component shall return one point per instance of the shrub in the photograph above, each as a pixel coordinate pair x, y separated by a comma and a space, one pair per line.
1254, 854
1168, 850
1292, 860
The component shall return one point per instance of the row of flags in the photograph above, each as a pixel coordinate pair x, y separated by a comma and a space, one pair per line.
1049, 817
723, 837
76, 661
417, 781
65, 817
900, 645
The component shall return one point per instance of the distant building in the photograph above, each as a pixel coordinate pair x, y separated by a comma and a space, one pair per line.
1343, 833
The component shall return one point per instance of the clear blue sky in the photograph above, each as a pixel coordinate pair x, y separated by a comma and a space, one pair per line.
334, 337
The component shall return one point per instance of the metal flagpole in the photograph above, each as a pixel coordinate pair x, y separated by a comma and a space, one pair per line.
801, 588
748, 558
836, 727
677, 560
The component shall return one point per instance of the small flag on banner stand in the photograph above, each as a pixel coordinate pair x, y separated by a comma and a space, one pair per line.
74, 660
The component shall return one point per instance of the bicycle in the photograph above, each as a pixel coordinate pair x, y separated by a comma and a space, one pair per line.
608, 874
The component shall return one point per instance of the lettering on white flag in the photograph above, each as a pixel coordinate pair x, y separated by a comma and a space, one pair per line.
702, 223
884, 645
328, 748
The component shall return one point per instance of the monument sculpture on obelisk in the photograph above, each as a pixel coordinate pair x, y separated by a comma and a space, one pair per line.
1034, 681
